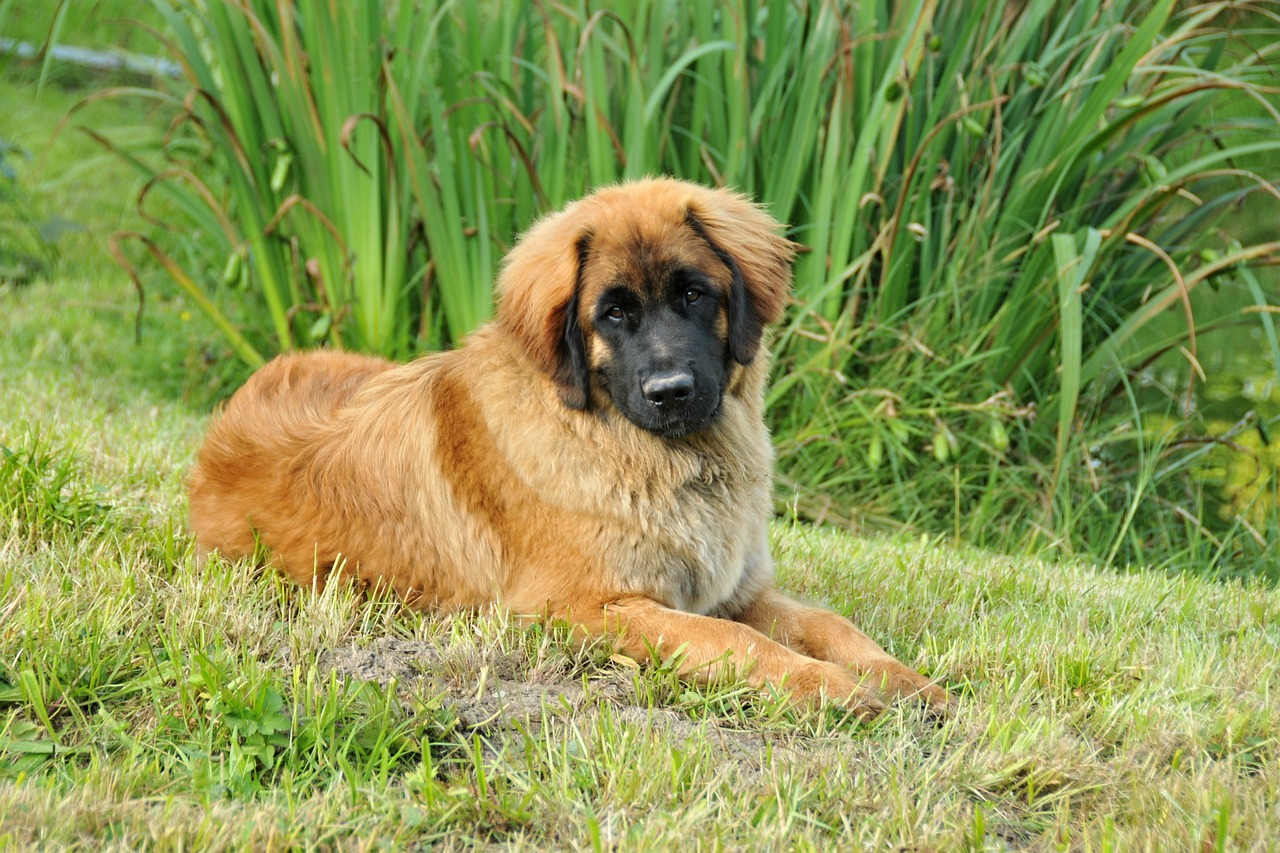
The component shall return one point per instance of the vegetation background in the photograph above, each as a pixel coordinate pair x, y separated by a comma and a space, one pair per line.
1037, 316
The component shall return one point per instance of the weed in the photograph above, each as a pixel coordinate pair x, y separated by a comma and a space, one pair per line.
42, 490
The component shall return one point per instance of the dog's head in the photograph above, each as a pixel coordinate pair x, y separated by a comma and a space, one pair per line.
644, 296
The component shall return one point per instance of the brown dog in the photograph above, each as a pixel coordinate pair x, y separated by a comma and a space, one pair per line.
597, 453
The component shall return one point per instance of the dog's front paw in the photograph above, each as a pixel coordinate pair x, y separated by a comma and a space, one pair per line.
898, 681
826, 681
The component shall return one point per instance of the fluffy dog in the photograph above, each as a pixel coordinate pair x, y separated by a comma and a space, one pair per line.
596, 454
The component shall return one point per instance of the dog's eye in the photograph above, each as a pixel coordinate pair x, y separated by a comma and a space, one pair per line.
691, 296
614, 313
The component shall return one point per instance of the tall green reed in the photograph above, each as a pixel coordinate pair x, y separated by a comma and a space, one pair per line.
283, 160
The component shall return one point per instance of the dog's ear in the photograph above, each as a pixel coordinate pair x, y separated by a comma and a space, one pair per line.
538, 302
746, 240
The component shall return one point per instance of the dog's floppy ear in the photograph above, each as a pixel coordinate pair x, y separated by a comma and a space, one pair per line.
538, 302
746, 240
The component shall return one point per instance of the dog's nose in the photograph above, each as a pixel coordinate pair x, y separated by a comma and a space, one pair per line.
668, 390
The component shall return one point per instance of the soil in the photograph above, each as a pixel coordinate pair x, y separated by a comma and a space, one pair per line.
488, 695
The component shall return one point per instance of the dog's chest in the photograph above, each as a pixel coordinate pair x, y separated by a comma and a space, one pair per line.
696, 545
685, 523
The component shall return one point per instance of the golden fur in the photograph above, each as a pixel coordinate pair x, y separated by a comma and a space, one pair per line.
487, 475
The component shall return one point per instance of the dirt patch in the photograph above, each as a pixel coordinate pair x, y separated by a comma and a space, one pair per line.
491, 693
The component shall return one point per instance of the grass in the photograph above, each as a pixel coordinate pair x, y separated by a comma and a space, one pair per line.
147, 703
99, 24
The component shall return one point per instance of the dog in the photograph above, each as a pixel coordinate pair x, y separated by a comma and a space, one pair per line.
596, 454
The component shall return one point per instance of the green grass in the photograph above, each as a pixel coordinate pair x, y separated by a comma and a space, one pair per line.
98, 24
93, 195
145, 702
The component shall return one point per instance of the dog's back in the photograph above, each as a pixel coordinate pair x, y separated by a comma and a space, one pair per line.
264, 425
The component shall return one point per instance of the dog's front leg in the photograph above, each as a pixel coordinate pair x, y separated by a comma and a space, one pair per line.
829, 636
705, 648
